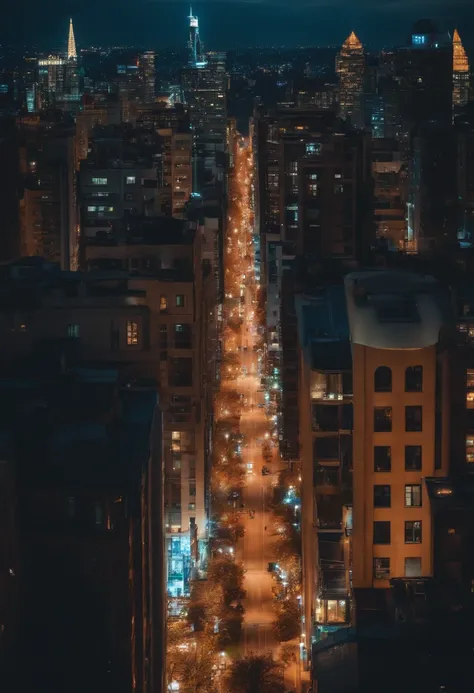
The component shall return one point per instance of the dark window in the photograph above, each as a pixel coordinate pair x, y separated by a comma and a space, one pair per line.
383, 379
413, 532
182, 336
382, 532
327, 448
381, 568
163, 336
382, 496
382, 419
382, 458
181, 373
413, 458
414, 379
412, 567
413, 418
413, 496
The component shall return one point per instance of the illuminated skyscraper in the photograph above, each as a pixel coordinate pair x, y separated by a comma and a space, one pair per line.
146, 70
350, 67
460, 72
71, 43
194, 43
70, 98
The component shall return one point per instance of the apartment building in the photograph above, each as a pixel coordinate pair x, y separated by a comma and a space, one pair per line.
81, 459
140, 306
118, 177
375, 386
48, 215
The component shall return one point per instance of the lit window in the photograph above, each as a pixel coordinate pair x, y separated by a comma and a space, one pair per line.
92, 208
313, 148
163, 302
470, 449
413, 496
313, 189
336, 610
338, 188
470, 386
73, 331
99, 181
132, 333
176, 441
180, 300
413, 532
130, 180
382, 568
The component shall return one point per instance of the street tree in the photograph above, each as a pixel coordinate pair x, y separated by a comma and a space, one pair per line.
287, 623
256, 674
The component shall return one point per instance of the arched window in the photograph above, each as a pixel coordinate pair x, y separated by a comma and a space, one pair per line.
414, 379
383, 379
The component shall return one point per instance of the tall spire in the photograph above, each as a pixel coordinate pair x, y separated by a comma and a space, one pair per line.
460, 61
71, 42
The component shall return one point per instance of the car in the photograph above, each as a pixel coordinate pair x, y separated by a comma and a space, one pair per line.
265, 471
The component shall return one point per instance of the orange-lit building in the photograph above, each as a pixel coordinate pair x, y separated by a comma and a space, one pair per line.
460, 72
374, 394
350, 67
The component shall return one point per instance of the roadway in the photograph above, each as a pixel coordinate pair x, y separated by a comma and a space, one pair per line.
256, 549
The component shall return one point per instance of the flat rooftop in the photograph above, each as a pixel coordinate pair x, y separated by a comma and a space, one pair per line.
390, 309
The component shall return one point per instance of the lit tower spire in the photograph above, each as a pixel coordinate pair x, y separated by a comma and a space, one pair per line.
460, 72
194, 43
71, 42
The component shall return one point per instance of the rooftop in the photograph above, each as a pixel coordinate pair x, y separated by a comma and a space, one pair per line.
390, 309
141, 230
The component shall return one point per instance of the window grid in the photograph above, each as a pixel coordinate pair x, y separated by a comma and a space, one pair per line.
132, 333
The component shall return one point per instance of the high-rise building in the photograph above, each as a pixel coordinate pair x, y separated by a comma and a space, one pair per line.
194, 41
424, 70
204, 87
146, 69
171, 124
350, 67
48, 218
50, 80
71, 43
58, 78
460, 72
89, 502
374, 398
313, 197
390, 177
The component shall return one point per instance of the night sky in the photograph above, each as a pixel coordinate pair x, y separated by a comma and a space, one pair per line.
228, 23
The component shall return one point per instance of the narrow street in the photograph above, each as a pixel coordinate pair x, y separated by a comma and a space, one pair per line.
257, 547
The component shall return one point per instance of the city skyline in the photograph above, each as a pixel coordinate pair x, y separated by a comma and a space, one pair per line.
225, 23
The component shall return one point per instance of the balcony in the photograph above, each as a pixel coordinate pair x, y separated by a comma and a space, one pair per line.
326, 477
329, 512
330, 417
